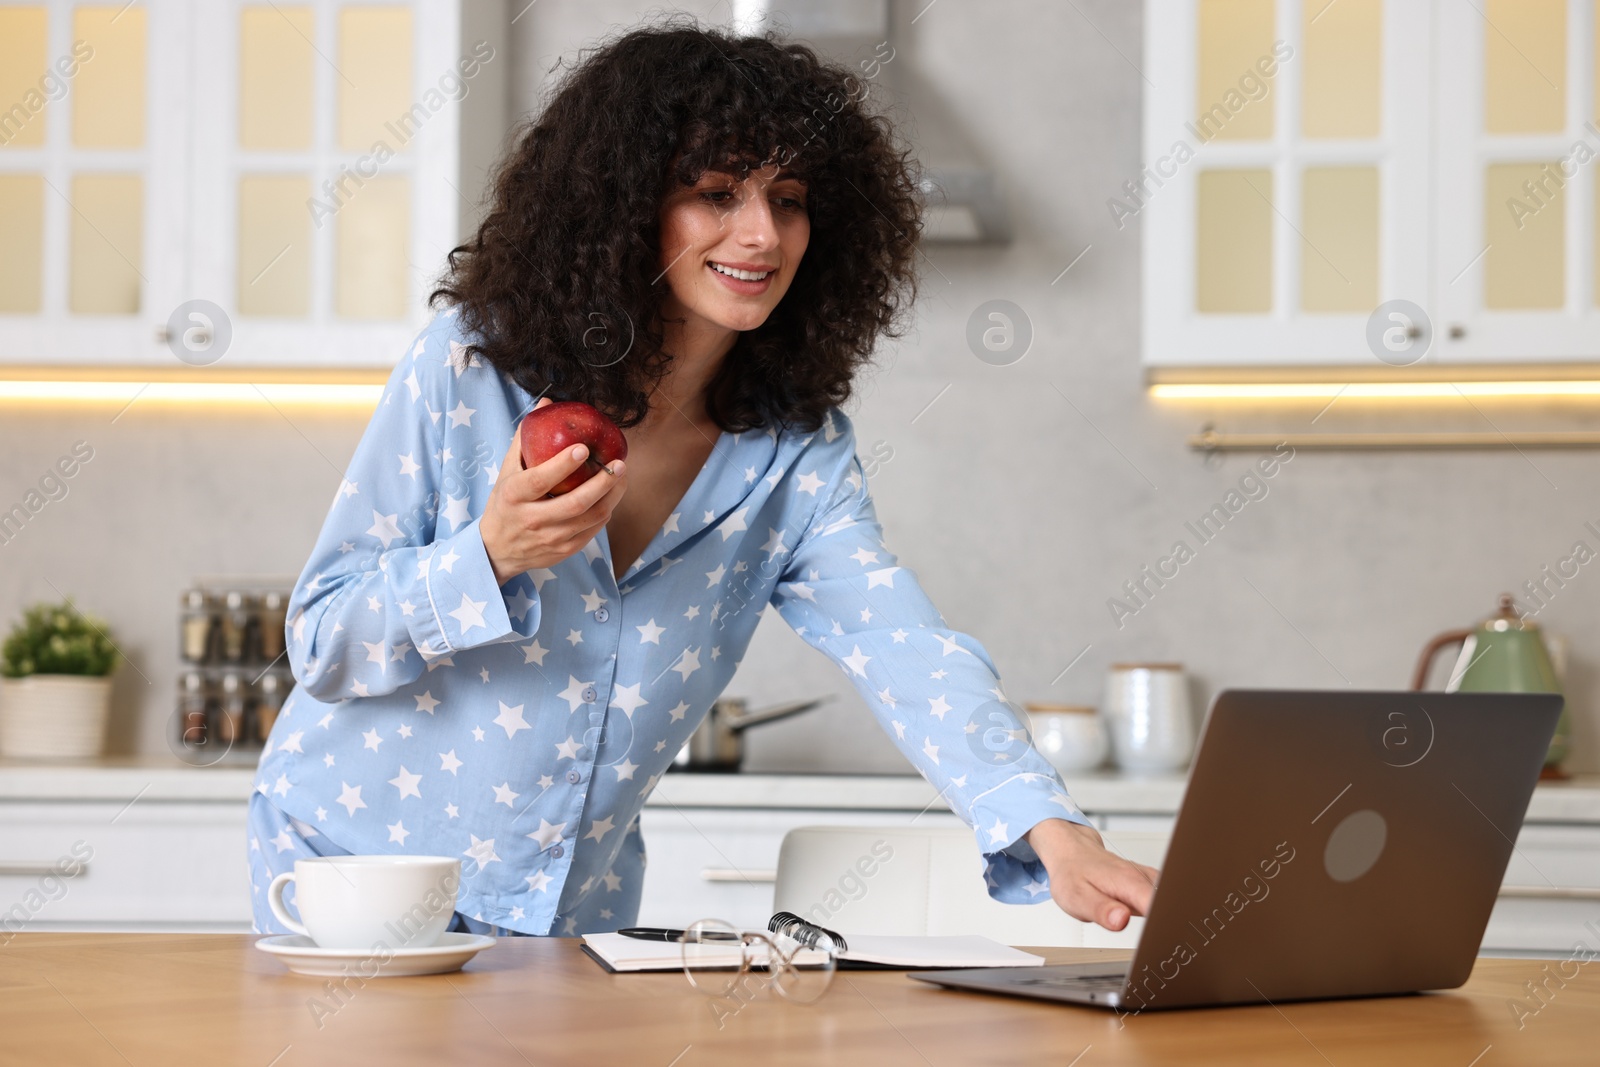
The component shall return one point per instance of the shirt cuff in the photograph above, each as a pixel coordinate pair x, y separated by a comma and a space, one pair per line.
1002, 818
467, 607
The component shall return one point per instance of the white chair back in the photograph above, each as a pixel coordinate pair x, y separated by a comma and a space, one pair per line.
928, 881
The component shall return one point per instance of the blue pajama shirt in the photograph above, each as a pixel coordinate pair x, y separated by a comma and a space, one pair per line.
520, 727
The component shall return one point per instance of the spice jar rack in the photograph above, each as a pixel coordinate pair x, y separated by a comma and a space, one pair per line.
232, 676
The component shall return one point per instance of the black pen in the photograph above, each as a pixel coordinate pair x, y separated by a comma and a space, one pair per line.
658, 933
652, 933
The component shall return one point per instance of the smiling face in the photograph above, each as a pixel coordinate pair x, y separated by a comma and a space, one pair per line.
730, 248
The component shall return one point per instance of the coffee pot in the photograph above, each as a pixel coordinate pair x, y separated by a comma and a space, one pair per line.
1505, 653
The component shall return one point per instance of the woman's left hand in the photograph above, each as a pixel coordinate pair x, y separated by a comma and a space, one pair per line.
1087, 880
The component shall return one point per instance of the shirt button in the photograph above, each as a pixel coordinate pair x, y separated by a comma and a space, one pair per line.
556, 851
601, 615
574, 777
589, 694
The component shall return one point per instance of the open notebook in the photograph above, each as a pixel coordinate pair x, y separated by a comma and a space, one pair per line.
625, 954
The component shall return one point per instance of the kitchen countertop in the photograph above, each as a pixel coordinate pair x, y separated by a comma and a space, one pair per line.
95, 999
1576, 800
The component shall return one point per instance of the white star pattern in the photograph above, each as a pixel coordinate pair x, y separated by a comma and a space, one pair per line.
573, 694
385, 528
688, 663
455, 512
519, 604
481, 851
548, 833
856, 661
449, 762
470, 614
510, 719
350, 797
732, 524
883, 576
628, 699
406, 783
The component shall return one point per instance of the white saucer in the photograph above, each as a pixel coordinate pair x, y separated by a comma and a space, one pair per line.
302, 956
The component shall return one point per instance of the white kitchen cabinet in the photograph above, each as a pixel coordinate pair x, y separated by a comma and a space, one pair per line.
1550, 900
152, 865
303, 167
1306, 163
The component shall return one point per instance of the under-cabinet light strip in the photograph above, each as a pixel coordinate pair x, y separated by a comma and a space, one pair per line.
322, 395
1360, 390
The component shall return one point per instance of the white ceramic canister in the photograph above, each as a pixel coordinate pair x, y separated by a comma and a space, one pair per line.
1147, 709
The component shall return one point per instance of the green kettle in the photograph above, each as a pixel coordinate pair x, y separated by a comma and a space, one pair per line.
1503, 654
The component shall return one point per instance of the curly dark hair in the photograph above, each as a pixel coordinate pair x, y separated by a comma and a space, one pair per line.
564, 273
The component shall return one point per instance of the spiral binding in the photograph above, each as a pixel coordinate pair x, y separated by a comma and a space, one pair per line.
790, 925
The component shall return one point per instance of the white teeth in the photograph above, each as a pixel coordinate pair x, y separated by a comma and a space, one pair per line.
742, 275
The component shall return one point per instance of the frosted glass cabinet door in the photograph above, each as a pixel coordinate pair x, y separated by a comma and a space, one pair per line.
323, 169
1285, 191
92, 183
1516, 196
298, 163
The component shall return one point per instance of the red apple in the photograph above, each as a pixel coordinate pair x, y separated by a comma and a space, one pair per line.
549, 430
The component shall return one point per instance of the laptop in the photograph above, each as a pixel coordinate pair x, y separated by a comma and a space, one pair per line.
1329, 844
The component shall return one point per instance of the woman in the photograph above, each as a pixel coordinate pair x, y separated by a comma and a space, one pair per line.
702, 235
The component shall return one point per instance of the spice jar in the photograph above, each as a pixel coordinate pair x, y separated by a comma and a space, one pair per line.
192, 708
196, 622
271, 620
271, 690
238, 626
230, 721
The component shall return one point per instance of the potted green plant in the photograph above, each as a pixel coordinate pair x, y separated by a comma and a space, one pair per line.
55, 684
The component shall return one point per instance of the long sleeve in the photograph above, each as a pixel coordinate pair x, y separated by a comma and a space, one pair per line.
399, 578
934, 690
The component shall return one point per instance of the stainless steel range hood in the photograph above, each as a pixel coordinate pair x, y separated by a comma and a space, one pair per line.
965, 203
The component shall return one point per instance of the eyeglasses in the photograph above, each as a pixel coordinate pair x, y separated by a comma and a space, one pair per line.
718, 959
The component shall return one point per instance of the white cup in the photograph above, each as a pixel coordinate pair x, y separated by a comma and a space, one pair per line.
362, 902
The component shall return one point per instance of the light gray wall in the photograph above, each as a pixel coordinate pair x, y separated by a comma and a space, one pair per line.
1023, 496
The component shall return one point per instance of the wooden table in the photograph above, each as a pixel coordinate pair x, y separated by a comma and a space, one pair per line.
213, 999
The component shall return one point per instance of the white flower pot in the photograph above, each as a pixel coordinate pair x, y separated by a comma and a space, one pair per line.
54, 716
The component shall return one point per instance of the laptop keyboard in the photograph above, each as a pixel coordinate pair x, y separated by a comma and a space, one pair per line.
1109, 982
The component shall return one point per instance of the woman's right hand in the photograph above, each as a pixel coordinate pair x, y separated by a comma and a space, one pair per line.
524, 528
